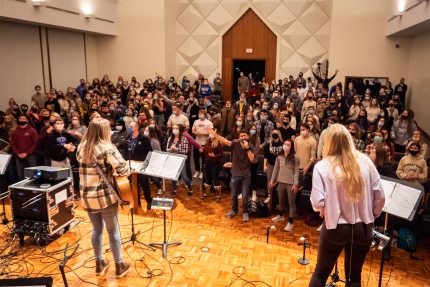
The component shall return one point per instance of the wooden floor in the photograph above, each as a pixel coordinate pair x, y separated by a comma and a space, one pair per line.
231, 244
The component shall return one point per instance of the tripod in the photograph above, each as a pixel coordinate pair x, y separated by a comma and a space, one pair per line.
335, 277
133, 237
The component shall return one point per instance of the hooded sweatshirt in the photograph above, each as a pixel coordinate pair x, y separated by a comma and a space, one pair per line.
55, 144
412, 165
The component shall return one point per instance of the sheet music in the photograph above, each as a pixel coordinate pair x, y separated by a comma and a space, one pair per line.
136, 165
388, 187
402, 201
171, 167
4, 161
157, 163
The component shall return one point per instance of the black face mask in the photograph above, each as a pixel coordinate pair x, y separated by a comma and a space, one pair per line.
93, 110
118, 103
413, 152
24, 110
16, 110
352, 134
404, 117
45, 118
257, 105
51, 124
286, 123
391, 105
275, 136
22, 123
34, 110
332, 104
82, 84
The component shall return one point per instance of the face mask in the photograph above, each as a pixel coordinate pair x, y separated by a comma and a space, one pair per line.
263, 118
286, 148
380, 124
264, 107
275, 95
37, 92
311, 126
174, 112
339, 94
381, 115
377, 139
228, 107
373, 103
114, 97
125, 84
241, 100
252, 132
22, 123
45, 118
154, 97
218, 75
51, 124
404, 117
311, 112
413, 152
248, 118
287, 102
357, 102
129, 130
201, 117
303, 133
266, 89
352, 134
309, 85
275, 136
239, 123
285, 123
415, 139
152, 125
367, 92
300, 75
241, 75
323, 78
332, 104
175, 132
59, 127
75, 122
71, 111
275, 107
396, 100
211, 136
146, 133
88, 98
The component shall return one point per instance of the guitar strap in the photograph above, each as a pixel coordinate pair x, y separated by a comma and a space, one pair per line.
106, 181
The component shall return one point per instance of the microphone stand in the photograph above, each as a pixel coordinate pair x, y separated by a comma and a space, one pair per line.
304, 260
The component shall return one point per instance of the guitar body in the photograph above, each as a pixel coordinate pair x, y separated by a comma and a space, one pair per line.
124, 189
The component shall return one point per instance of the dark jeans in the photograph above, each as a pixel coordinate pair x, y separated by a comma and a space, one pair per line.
254, 167
21, 164
235, 183
188, 165
143, 180
399, 148
157, 181
197, 156
331, 244
212, 172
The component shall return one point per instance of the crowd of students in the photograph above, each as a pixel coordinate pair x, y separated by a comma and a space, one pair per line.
284, 121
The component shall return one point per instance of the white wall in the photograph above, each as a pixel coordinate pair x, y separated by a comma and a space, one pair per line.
25, 12
138, 49
91, 56
415, 19
418, 80
358, 45
66, 58
20, 62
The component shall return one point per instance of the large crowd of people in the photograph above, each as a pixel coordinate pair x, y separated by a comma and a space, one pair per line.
285, 124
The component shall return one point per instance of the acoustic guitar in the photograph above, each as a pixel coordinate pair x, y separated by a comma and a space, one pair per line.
124, 189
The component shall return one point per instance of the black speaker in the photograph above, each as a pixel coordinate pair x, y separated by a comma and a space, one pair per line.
27, 282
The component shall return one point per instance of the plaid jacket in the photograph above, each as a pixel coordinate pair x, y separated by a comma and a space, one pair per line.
94, 193
182, 146
268, 130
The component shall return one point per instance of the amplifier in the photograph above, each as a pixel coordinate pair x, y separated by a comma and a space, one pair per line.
27, 282
52, 204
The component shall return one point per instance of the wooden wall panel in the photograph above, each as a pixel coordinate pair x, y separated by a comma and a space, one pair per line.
248, 32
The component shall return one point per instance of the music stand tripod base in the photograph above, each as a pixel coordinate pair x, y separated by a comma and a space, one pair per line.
164, 244
304, 261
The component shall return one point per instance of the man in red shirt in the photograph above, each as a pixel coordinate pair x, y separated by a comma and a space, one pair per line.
253, 94
23, 142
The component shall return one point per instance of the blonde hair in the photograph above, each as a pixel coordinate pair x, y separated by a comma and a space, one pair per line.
98, 132
340, 150
214, 143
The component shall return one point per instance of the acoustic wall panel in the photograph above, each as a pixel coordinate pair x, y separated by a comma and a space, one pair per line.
67, 58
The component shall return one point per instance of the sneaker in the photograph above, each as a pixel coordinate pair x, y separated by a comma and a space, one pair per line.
101, 266
121, 269
173, 193
278, 218
240, 196
190, 193
196, 174
245, 217
254, 195
160, 191
201, 175
319, 228
267, 200
230, 214
289, 227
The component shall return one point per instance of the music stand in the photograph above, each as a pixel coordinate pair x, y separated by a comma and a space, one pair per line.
166, 166
392, 197
4, 162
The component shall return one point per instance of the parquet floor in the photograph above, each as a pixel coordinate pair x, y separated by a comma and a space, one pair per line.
232, 243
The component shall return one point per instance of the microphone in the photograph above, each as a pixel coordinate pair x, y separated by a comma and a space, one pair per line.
303, 261
303, 239
270, 227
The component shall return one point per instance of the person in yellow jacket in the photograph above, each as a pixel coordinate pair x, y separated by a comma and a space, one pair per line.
413, 167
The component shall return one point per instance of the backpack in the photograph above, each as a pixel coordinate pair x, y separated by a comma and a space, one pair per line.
311, 218
258, 209
407, 240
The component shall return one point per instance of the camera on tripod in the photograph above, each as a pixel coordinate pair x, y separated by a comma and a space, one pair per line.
319, 64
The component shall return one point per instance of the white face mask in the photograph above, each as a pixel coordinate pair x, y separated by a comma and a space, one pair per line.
118, 128
59, 127
239, 123
303, 133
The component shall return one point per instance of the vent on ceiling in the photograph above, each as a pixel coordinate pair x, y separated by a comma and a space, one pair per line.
106, 20
62, 10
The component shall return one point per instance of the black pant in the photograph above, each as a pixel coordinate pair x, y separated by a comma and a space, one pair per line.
143, 180
254, 167
212, 172
330, 245
197, 155
217, 93
188, 166
399, 148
